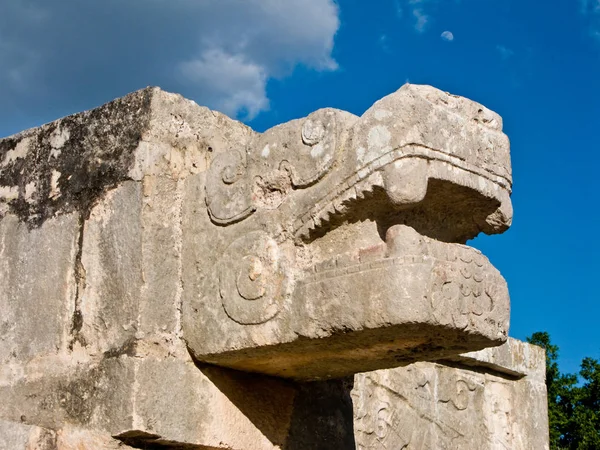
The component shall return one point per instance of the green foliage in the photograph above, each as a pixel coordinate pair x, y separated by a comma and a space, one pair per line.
573, 407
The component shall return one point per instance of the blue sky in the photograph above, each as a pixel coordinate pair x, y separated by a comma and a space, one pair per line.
268, 61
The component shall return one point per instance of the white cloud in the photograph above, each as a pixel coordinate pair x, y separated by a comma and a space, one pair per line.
418, 10
221, 53
271, 32
505, 52
232, 83
384, 43
246, 43
447, 36
398, 8
590, 9
17, 65
588, 6
421, 19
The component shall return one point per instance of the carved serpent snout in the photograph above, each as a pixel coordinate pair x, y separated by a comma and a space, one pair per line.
325, 162
313, 226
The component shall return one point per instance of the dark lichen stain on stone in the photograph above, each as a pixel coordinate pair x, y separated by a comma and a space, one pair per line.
77, 397
128, 348
96, 156
46, 440
6, 145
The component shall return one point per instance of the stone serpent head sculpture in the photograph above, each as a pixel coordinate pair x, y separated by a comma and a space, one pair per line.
334, 244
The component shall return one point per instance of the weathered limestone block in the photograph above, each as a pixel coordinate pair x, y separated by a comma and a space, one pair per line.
151, 399
90, 206
71, 438
91, 286
492, 399
146, 399
332, 244
323, 247
37, 286
90, 226
111, 262
17, 436
67, 165
486, 400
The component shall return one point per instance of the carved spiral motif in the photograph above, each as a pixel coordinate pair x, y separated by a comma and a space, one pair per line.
227, 188
449, 303
383, 421
461, 396
252, 279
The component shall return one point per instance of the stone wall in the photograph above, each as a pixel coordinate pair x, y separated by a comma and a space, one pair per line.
141, 261
494, 399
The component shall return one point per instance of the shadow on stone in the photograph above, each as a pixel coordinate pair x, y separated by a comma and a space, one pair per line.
295, 416
266, 401
323, 416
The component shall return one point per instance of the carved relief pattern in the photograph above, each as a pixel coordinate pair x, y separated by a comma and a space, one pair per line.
462, 287
360, 221
465, 287
315, 156
300, 152
376, 420
418, 407
252, 279
364, 179
499, 420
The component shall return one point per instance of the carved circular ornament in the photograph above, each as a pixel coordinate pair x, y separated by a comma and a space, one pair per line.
252, 279
312, 131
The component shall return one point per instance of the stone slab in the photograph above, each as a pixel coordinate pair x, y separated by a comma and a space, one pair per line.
20, 436
37, 286
147, 400
466, 403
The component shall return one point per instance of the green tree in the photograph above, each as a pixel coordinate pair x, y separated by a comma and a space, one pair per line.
584, 425
573, 408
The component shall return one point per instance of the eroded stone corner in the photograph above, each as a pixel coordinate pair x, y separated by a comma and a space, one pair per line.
66, 165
